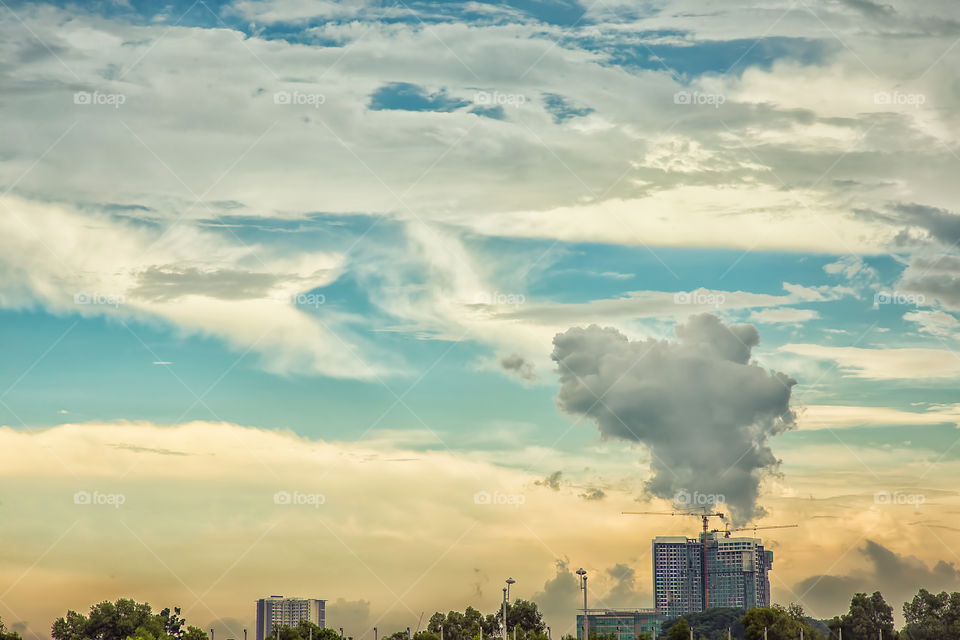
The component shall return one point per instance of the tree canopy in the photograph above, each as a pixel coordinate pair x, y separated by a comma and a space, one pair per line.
712, 624
523, 616
8, 635
932, 616
306, 631
781, 623
122, 620
680, 630
867, 617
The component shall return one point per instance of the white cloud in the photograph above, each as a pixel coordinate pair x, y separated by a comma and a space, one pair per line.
938, 323
884, 364
783, 315
852, 268
813, 417
197, 281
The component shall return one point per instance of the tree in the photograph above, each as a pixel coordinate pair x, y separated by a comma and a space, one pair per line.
930, 617
305, 630
712, 624
8, 635
780, 623
461, 626
124, 619
524, 615
679, 631
867, 617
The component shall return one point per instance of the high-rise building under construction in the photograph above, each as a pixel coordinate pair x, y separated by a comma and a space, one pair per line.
735, 576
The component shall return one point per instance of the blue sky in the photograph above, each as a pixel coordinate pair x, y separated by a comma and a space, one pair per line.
259, 245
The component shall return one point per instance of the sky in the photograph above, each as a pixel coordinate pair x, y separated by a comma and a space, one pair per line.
385, 302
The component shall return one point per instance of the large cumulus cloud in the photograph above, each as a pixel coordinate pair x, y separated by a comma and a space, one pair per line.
705, 411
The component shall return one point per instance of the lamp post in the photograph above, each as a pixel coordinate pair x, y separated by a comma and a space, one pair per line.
583, 585
504, 631
506, 597
374, 633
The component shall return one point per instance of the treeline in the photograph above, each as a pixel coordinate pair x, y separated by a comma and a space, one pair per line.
927, 617
127, 619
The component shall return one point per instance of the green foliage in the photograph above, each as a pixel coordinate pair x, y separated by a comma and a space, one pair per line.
8, 635
781, 623
304, 631
712, 624
124, 620
932, 616
679, 631
522, 616
868, 615
460, 626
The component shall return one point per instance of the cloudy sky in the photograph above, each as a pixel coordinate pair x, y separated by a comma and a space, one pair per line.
289, 289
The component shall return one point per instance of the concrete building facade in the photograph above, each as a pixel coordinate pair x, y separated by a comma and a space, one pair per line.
277, 611
736, 575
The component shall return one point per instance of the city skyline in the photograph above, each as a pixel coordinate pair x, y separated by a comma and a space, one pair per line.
387, 301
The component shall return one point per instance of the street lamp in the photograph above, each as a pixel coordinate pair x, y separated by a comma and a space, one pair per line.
506, 596
503, 632
583, 585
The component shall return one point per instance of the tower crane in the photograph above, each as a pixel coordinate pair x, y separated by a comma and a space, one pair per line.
727, 531
705, 516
